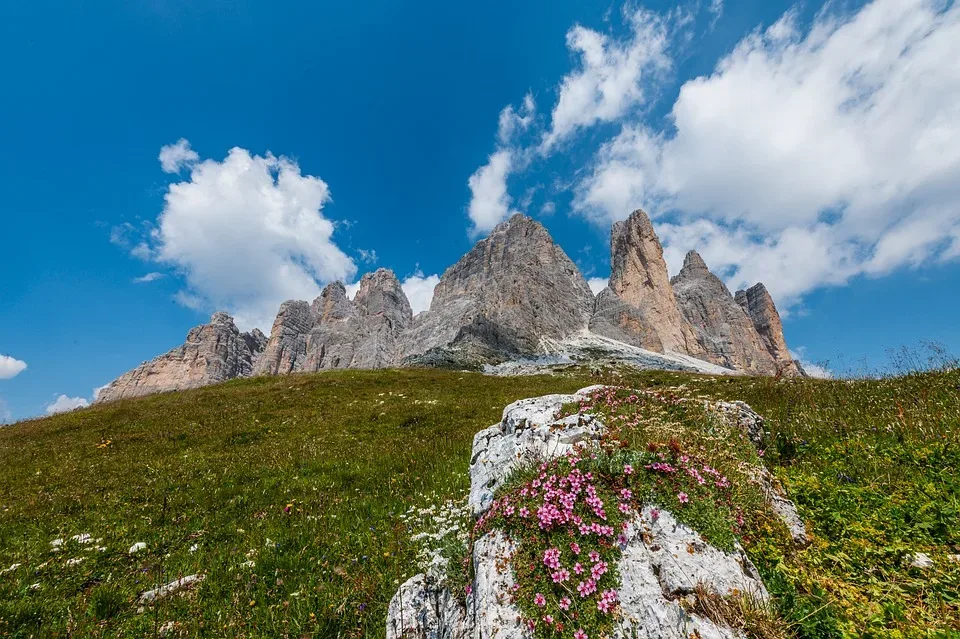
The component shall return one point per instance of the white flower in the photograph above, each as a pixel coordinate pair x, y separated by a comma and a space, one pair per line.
248, 564
82, 538
74, 561
10, 569
194, 548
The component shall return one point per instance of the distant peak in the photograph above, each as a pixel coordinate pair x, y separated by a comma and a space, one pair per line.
694, 264
221, 317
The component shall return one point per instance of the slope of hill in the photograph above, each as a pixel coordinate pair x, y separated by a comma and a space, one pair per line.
286, 495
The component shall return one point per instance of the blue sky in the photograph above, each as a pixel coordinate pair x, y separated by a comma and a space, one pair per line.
815, 149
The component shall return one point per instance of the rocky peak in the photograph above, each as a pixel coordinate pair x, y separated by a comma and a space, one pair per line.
332, 303
287, 347
379, 293
512, 289
759, 307
213, 352
694, 266
638, 276
723, 329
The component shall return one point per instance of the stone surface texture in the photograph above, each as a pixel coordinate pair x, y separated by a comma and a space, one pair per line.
213, 352
662, 563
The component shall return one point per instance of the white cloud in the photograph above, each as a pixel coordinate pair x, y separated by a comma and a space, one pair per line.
352, 289
368, 257
174, 157
65, 404
813, 370
610, 77
716, 11
6, 417
247, 233
419, 290
490, 202
149, 277
98, 390
548, 208
808, 156
11, 367
513, 122
597, 284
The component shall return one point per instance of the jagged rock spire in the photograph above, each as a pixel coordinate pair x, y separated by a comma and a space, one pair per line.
759, 307
723, 329
638, 276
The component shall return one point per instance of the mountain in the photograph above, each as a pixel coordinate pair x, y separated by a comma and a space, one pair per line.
515, 295
213, 352
513, 289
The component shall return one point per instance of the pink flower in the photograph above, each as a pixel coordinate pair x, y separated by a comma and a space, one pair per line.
594, 556
580, 634
682, 497
548, 619
627, 470
565, 603
560, 576
524, 512
469, 589
577, 568
575, 548
654, 513
624, 507
539, 599
626, 494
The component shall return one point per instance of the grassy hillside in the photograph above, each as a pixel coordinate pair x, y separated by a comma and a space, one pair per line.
286, 493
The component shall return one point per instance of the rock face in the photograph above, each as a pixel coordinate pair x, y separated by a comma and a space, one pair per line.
511, 290
213, 352
638, 277
335, 332
616, 319
723, 329
759, 307
662, 560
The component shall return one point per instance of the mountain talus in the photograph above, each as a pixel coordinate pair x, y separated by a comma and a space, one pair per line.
514, 295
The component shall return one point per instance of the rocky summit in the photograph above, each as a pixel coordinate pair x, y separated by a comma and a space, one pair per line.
515, 296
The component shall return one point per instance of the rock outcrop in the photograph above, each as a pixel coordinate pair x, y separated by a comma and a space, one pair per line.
336, 332
513, 289
638, 277
723, 329
663, 561
759, 307
213, 352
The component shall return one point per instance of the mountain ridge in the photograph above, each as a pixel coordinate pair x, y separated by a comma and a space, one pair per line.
513, 292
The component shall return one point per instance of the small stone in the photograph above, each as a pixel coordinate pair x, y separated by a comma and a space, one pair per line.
920, 560
166, 590
137, 547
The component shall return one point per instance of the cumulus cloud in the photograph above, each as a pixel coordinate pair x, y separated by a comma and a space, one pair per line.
247, 233
10, 367
597, 284
65, 404
809, 156
419, 290
610, 76
175, 157
490, 203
